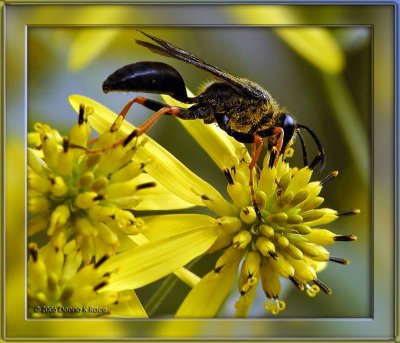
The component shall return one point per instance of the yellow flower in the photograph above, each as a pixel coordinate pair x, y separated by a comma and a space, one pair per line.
286, 242
59, 286
78, 189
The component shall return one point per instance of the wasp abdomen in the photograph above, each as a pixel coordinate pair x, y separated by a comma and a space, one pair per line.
147, 77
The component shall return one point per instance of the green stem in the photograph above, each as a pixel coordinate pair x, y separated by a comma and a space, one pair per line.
350, 124
163, 291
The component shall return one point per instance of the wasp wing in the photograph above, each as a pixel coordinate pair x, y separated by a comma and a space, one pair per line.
170, 50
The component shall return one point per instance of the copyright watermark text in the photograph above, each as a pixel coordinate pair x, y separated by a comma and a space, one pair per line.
70, 309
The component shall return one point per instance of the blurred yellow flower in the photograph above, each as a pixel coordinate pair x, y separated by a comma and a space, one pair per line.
59, 286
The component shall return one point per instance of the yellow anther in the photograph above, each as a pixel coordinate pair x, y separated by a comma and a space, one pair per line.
294, 252
283, 242
128, 172
282, 266
303, 229
265, 246
230, 224
86, 179
285, 180
270, 280
299, 198
294, 219
65, 162
251, 265
321, 236
87, 200
239, 194
58, 217
278, 217
99, 184
58, 186
248, 215
37, 182
261, 199
79, 134
313, 215
242, 239
266, 230
38, 205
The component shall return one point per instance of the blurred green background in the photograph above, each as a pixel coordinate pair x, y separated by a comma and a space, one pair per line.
335, 99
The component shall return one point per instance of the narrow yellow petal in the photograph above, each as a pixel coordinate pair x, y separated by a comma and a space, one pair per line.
128, 305
183, 274
149, 262
161, 226
205, 299
158, 197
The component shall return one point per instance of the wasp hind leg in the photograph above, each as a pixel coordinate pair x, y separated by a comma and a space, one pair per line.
160, 109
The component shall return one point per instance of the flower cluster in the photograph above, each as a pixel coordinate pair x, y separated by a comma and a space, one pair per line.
287, 241
73, 192
59, 286
83, 194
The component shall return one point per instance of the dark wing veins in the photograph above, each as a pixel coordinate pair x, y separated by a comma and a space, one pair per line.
170, 50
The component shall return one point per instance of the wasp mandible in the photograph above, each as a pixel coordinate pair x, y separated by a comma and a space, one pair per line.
240, 107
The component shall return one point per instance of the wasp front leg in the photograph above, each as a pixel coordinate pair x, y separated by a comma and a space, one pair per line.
257, 145
277, 148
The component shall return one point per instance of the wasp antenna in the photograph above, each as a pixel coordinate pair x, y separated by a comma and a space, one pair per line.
322, 157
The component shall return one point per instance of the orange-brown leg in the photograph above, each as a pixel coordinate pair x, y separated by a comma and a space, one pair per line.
170, 110
278, 131
121, 116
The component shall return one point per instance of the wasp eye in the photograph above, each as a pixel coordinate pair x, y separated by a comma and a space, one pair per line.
288, 125
287, 122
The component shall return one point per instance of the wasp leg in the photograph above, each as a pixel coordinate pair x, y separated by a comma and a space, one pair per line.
276, 150
257, 144
160, 108
256, 148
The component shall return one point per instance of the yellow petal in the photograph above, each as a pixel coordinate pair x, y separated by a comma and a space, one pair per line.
149, 262
158, 197
315, 44
161, 226
88, 45
205, 299
164, 167
128, 305
244, 303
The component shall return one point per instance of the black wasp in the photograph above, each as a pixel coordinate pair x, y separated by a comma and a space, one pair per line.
240, 107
